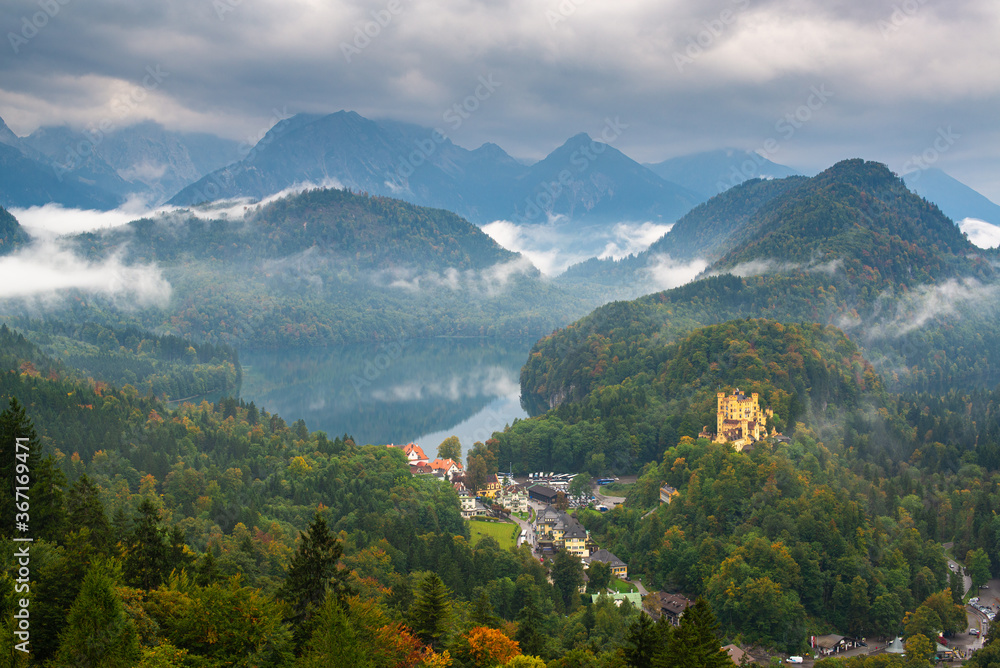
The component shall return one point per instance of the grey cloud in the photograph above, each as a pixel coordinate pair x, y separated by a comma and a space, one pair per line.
893, 90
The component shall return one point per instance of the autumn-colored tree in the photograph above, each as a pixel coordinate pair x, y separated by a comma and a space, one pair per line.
490, 647
919, 650
450, 448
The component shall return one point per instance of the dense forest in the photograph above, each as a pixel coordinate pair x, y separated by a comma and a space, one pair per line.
146, 514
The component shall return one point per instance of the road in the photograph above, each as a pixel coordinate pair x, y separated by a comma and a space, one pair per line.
525, 527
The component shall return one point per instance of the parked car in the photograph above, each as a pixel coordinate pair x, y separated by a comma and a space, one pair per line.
984, 586
795, 659
974, 599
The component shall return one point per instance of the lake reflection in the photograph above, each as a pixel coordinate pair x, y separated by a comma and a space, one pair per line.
418, 390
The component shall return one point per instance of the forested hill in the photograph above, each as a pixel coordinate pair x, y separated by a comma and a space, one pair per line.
12, 234
856, 213
861, 214
638, 394
850, 247
327, 267
369, 231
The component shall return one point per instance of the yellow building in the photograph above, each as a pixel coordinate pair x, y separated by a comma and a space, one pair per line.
491, 486
741, 421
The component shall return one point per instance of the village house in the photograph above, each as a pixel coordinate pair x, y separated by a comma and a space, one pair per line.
446, 468
618, 567
737, 655
414, 453
513, 498
671, 606
574, 539
563, 531
490, 487
468, 502
632, 597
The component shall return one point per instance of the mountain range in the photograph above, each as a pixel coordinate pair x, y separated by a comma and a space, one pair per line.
91, 169
583, 181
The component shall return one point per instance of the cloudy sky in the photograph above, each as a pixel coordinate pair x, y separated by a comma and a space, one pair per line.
824, 79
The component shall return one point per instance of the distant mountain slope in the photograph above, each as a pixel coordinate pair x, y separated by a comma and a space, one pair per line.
954, 198
710, 173
331, 266
12, 235
588, 180
858, 213
599, 183
143, 158
852, 247
25, 182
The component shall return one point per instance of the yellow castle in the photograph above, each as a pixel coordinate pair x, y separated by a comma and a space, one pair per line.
740, 419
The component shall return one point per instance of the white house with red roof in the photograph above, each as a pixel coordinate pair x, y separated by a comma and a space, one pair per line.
414, 453
446, 467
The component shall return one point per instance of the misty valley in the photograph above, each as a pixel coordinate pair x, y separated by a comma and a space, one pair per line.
326, 418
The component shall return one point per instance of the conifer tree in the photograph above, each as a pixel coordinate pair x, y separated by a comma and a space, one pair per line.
312, 573
695, 642
85, 509
431, 610
529, 621
98, 631
147, 555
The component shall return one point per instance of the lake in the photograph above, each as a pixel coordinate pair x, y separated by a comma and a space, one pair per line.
420, 390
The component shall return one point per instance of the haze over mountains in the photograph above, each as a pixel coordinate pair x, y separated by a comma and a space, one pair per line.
584, 182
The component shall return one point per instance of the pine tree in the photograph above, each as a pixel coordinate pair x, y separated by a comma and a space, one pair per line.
642, 642
529, 621
567, 575
695, 642
482, 610
312, 573
84, 509
147, 555
431, 610
98, 631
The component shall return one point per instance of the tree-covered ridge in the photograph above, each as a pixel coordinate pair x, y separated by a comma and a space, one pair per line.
369, 230
709, 230
863, 215
329, 267
164, 366
851, 247
785, 541
643, 395
12, 235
